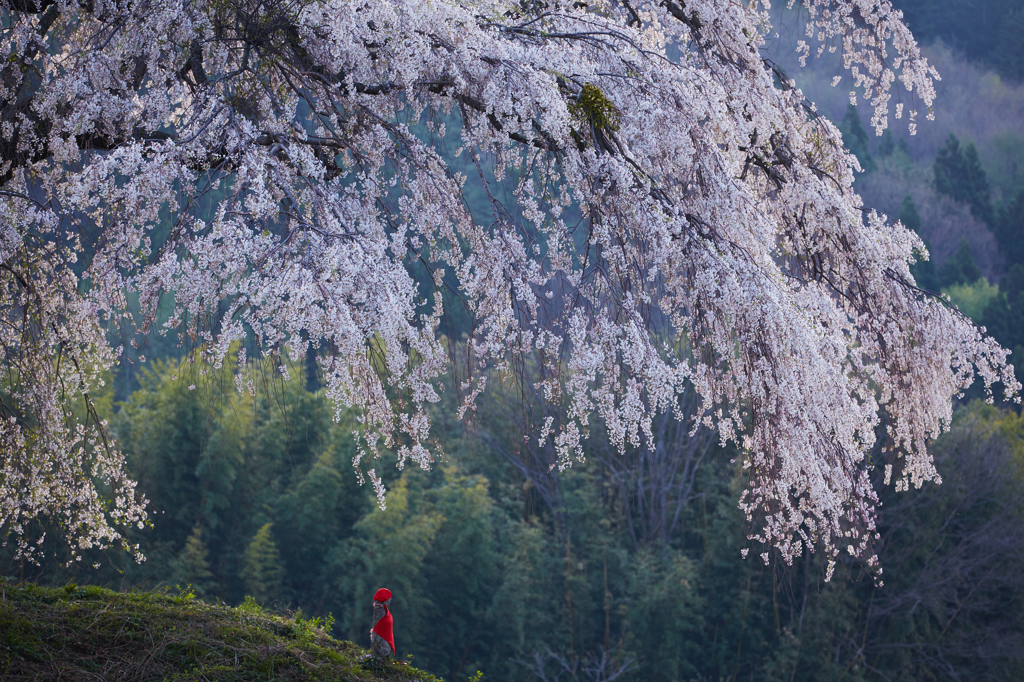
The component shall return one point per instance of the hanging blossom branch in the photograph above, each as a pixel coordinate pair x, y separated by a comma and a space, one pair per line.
722, 249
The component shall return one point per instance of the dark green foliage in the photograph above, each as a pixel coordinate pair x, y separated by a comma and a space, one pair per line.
665, 614
886, 146
856, 139
902, 146
959, 175
389, 550
947, 544
1008, 53
960, 267
317, 513
1010, 229
191, 568
1012, 285
86, 633
228, 464
1004, 317
505, 567
461, 573
435, 547
923, 270
261, 567
908, 214
981, 29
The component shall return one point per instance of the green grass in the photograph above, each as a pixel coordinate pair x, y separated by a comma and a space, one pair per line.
90, 633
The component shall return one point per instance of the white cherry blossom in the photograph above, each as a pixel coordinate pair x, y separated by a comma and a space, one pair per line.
721, 246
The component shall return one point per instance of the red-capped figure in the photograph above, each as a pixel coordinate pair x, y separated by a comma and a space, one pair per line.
382, 638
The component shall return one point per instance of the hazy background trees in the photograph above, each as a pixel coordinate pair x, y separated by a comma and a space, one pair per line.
631, 570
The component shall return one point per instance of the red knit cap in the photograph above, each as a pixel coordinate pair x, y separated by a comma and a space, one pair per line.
383, 594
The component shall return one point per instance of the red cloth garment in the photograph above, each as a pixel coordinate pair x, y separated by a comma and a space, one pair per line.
385, 626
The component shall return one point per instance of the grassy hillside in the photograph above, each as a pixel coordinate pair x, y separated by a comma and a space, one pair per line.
89, 633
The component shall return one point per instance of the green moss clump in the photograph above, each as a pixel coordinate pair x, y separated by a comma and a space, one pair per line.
88, 632
593, 107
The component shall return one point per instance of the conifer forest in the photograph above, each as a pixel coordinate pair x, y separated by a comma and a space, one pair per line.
637, 340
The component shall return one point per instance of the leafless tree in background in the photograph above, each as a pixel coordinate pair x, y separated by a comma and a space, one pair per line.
656, 481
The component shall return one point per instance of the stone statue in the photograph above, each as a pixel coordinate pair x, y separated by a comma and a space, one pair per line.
382, 638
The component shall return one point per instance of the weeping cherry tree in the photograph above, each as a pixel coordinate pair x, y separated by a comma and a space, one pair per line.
680, 220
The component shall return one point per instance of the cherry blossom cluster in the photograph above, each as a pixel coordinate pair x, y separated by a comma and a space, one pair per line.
275, 166
55, 454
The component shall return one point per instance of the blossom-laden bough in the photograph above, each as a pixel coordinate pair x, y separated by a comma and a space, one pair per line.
721, 247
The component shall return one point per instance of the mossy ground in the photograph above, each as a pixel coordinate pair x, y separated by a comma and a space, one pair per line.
90, 633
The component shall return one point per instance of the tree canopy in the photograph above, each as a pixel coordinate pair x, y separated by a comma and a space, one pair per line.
680, 219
